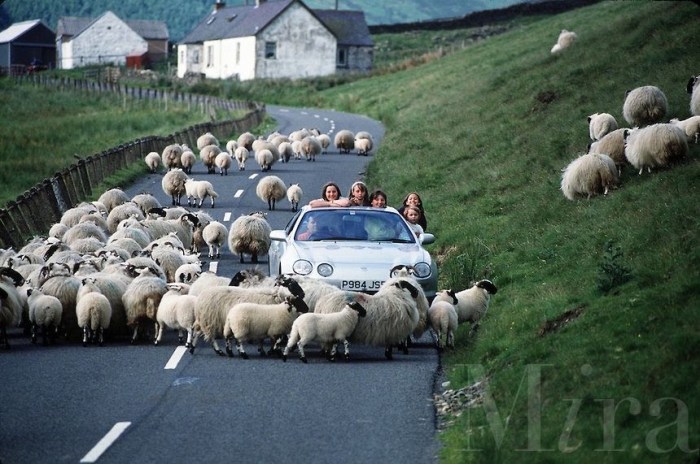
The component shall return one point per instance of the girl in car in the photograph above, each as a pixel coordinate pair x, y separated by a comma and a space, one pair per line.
358, 195
330, 196
413, 199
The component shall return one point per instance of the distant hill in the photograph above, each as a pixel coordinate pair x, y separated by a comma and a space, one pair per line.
182, 15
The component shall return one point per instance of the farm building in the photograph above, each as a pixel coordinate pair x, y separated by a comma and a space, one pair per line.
24, 44
109, 40
275, 39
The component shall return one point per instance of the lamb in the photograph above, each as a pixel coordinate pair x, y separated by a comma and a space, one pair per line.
254, 321
310, 147
142, 298
613, 145
693, 88
644, 106
265, 159
215, 235
153, 161
187, 161
176, 310
271, 189
325, 141
565, 40
601, 124
472, 303
327, 329
173, 185
208, 155
443, 320
45, 312
690, 126
198, 190
172, 157
11, 302
111, 198
241, 155
657, 145
344, 141
93, 310
363, 146
250, 234
223, 161
294, 195
214, 303
206, 139
589, 175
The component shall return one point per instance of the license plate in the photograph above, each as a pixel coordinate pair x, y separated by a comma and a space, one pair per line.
361, 285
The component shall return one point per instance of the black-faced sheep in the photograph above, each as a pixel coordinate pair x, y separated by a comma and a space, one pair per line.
250, 234
472, 303
653, 146
644, 106
589, 175
146, 201
600, 124
173, 185
271, 189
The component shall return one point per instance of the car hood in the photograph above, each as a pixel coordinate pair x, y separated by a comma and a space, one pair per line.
372, 252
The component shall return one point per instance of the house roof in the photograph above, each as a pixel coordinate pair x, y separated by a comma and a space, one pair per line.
16, 30
349, 27
149, 30
239, 21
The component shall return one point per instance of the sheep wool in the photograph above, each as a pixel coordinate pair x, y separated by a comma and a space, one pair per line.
325, 143
690, 126
206, 139
187, 161
176, 310
223, 161
153, 161
344, 141
250, 234
246, 140
310, 147
208, 156
644, 106
241, 155
271, 189
294, 196
45, 313
215, 235
172, 156
589, 175
565, 40
112, 198
693, 88
142, 298
613, 145
94, 312
654, 146
198, 190
443, 320
601, 124
173, 185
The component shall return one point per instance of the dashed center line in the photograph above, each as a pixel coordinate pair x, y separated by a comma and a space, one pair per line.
176, 357
238, 194
102, 445
214, 266
227, 216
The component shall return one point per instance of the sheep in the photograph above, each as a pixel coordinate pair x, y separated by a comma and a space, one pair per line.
344, 141
262, 144
173, 185
296, 149
443, 320
187, 161
250, 234
11, 302
693, 88
84, 230
298, 135
310, 147
214, 303
565, 40
207, 280
472, 303
188, 273
613, 145
325, 141
601, 124
690, 126
294, 195
327, 329
97, 219
206, 139
93, 311
271, 189
183, 227
208, 155
589, 175
153, 161
231, 146
146, 201
644, 106
241, 155
72, 216
176, 310
57, 230
363, 146
286, 151
215, 235
265, 159
198, 190
142, 298
254, 321
246, 140
223, 161
197, 240
170, 260
111, 198
655, 146
172, 157
57, 280
403, 275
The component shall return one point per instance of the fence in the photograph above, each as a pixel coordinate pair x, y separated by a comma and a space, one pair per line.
36, 210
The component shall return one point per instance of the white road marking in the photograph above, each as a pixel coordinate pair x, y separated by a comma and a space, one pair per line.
176, 357
214, 266
227, 216
237, 195
102, 445
304, 112
316, 116
253, 176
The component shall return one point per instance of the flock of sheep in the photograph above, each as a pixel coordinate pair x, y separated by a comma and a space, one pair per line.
651, 141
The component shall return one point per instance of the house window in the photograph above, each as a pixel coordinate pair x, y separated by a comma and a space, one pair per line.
270, 50
210, 56
195, 57
342, 57
238, 52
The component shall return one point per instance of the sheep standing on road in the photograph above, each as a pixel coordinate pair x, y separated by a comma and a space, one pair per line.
93, 310
265, 159
198, 190
153, 161
241, 155
176, 310
249, 234
271, 189
173, 185
443, 320
294, 195
208, 156
45, 313
311, 147
344, 141
214, 235
172, 157
206, 139
142, 298
223, 161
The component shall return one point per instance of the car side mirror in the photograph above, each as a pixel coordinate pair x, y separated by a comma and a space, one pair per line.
427, 239
278, 235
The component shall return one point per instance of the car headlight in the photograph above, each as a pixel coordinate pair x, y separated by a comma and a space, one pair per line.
324, 270
422, 270
302, 267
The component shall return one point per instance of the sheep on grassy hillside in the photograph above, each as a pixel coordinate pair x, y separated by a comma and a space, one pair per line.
644, 106
589, 175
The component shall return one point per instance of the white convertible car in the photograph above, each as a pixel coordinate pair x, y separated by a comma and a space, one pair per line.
354, 248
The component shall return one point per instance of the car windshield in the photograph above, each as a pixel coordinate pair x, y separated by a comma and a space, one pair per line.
353, 224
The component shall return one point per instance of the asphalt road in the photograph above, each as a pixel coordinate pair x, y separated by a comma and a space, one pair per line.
154, 404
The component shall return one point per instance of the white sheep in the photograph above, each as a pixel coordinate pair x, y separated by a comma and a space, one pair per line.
249, 234
93, 310
472, 303
11, 302
56, 279
294, 196
45, 313
327, 329
691, 127
310, 147
170, 260
363, 146
296, 149
644, 106
207, 280
214, 303
231, 146
153, 161
613, 145
589, 175
241, 155
248, 322
176, 310
142, 298
325, 141
246, 140
182, 226
223, 161
344, 141
208, 156
693, 88
265, 159
215, 235
122, 212
286, 151
188, 273
146, 201
653, 146
198, 190
443, 320
110, 199
565, 40
271, 189
173, 185
601, 124
172, 157
206, 139
187, 160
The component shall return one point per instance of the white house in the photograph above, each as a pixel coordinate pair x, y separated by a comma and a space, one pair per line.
271, 39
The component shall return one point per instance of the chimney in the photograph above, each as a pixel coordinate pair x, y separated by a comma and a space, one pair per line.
219, 5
